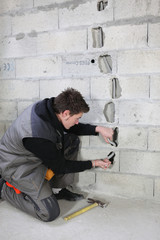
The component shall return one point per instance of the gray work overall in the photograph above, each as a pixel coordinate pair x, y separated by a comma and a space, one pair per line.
26, 172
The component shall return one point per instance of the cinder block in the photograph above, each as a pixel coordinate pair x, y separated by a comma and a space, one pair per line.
8, 111
138, 8
22, 105
132, 138
38, 67
124, 185
20, 47
38, 21
157, 189
89, 65
94, 152
134, 87
122, 37
7, 68
155, 87
142, 61
154, 35
96, 113
50, 88
145, 113
69, 41
101, 87
85, 179
48, 2
5, 26
2, 129
98, 142
99, 153
84, 141
85, 14
15, 89
154, 139
81, 65
15, 5
146, 163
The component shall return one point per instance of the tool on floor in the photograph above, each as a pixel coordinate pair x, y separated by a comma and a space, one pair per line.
115, 138
94, 203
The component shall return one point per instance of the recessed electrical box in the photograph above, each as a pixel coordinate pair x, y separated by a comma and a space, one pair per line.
98, 37
101, 5
109, 112
105, 63
116, 88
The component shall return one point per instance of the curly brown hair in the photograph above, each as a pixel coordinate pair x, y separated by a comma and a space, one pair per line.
72, 100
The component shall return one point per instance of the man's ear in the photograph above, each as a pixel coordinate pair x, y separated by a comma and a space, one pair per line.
66, 114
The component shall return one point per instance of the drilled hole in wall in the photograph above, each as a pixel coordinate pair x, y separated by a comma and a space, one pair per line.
92, 60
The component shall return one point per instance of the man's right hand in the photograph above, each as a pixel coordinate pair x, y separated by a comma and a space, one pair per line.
105, 132
102, 163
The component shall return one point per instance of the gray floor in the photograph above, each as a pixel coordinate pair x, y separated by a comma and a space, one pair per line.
121, 219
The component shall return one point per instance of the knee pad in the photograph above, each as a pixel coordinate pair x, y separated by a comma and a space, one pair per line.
52, 208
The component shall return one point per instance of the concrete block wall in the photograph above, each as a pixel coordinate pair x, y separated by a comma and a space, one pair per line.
49, 45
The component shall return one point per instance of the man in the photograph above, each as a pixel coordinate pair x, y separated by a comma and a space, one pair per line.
38, 153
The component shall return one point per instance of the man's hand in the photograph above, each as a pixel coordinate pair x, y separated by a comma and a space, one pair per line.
102, 163
105, 132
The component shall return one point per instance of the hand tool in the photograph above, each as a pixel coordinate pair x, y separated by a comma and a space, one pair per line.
115, 138
94, 203
110, 157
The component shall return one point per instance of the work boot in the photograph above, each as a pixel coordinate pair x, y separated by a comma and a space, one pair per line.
67, 195
2, 181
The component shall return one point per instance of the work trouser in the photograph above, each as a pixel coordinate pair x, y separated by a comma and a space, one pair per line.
45, 207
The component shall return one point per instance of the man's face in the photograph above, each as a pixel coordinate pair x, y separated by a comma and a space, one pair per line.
69, 121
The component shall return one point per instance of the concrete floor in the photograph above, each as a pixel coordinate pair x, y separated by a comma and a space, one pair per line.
122, 219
